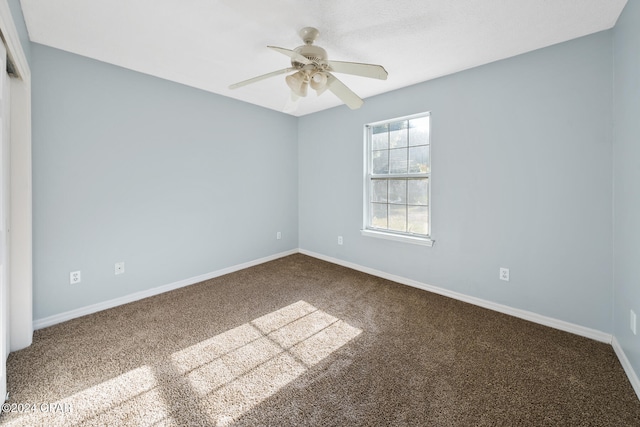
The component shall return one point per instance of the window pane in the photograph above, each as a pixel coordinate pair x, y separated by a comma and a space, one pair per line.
398, 134
380, 137
419, 159
418, 220
380, 162
398, 191
379, 215
419, 131
398, 160
379, 190
398, 218
399, 176
418, 192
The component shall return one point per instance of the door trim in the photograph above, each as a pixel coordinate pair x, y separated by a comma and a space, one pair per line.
20, 255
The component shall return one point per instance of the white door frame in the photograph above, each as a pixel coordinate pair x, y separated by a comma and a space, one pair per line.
20, 255
5, 168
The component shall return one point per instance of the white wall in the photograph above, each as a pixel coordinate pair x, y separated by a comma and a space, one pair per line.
522, 177
174, 181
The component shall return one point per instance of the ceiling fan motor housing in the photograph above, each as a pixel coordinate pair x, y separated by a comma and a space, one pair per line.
313, 53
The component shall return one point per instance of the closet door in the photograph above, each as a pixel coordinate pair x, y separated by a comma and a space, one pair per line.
4, 209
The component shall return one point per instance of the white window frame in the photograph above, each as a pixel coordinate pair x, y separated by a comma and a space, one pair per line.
367, 230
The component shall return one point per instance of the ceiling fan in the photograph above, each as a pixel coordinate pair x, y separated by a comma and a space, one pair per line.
311, 67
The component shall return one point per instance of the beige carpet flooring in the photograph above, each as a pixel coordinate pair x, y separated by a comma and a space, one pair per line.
298, 341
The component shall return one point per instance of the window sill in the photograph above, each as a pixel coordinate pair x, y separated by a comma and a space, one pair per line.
423, 241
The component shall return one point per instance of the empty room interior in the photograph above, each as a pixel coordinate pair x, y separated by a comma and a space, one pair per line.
245, 213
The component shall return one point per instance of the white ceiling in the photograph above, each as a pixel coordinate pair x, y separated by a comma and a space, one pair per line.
210, 44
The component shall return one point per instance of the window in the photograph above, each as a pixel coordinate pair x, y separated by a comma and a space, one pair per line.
397, 180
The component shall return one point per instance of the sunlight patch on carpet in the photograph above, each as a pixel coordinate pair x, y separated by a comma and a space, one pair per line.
131, 397
216, 380
240, 368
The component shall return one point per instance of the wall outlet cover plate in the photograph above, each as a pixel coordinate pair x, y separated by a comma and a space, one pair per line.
119, 267
75, 277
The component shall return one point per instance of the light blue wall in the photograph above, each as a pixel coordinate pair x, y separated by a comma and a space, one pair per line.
21, 27
177, 182
174, 181
522, 178
626, 167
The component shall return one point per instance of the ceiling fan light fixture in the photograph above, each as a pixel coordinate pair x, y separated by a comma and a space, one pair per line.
321, 90
303, 89
320, 77
319, 82
298, 82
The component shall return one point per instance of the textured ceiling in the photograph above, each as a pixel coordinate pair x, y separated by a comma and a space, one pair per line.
211, 44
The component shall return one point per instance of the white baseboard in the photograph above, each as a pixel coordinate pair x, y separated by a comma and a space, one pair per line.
516, 312
523, 314
626, 365
83, 311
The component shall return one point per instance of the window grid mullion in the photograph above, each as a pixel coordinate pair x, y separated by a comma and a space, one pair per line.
420, 175
388, 204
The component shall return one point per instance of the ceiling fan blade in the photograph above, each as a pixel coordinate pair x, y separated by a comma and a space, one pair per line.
340, 90
292, 54
357, 69
262, 77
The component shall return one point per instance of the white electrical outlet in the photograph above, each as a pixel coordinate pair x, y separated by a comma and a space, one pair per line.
74, 277
119, 267
278, 235
504, 274
339, 240
633, 322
